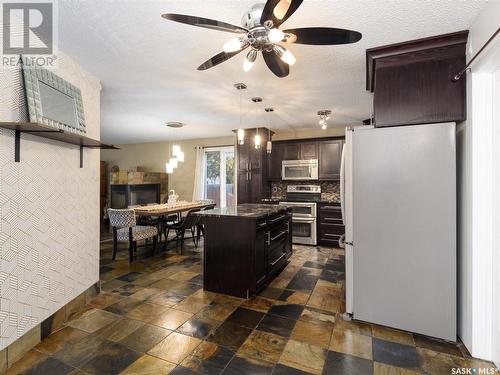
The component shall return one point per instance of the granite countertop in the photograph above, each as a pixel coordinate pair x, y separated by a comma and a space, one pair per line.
249, 211
322, 200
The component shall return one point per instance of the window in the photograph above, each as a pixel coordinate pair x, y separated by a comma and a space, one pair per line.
218, 181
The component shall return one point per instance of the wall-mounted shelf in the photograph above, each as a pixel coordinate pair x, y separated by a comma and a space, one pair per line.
52, 133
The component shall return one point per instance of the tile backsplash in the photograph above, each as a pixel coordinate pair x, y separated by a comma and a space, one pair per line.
330, 190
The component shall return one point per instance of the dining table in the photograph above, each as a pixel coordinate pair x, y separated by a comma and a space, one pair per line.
164, 210
168, 209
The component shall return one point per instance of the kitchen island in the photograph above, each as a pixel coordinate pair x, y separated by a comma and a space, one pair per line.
245, 247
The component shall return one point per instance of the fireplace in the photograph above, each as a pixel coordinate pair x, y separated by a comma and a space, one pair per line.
123, 196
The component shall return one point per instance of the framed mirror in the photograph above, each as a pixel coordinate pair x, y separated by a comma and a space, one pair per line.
52, 100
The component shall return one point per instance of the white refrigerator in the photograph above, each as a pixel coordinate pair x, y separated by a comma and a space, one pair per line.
398, 190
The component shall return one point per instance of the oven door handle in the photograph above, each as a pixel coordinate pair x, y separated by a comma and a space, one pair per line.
307, 220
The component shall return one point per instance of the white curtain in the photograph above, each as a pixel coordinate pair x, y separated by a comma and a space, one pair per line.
198, 174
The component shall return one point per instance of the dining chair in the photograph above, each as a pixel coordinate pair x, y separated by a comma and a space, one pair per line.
200, 231
189, 222
125, 229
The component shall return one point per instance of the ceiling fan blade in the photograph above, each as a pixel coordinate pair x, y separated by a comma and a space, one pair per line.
278, 67
218, 59
322, 36
279, 11
204, 22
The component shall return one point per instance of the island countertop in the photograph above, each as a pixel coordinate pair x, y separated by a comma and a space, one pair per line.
249, 211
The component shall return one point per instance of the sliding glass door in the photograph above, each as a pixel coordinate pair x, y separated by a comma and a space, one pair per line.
218, 181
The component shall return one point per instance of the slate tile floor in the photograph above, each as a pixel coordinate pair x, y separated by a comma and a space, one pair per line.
153, 317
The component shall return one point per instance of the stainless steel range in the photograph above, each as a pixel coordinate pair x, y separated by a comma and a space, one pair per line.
302, 199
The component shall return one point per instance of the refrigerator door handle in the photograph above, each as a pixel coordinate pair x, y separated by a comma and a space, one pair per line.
342, 184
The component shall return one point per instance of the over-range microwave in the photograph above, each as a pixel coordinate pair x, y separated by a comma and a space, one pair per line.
299, 170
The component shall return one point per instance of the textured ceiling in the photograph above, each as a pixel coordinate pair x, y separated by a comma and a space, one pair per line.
147, 65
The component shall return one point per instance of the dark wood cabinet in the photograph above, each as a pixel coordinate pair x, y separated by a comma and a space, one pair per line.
242, 254
308, 150
412, 81
292, 151
330, 158
252, 169
260, 257
328, 151
330, 225
275, 160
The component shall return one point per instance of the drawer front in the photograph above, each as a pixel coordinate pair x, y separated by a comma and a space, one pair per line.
330, 220
276, 258
279, 219
332, 229
261, 224
330, 241
333, 212
329, 234
275, 253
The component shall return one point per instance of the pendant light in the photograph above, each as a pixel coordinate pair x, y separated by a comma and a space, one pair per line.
241, 132
178, 154
269, 145
257, 139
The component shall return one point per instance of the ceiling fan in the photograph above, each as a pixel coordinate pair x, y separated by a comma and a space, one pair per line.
260, 31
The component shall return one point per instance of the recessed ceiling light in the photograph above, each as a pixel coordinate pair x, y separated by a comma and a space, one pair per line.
175, 124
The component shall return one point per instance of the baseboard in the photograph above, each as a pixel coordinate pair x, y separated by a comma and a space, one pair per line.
16, 350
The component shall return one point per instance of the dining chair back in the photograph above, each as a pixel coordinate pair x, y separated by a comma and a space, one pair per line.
189, 222
125, 228
121, 218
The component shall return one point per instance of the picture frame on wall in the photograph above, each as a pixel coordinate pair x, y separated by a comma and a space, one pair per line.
51, 100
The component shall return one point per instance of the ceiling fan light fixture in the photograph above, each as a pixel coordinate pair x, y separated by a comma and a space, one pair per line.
234, 45
249, 60
324, 126
276, 35
285, 55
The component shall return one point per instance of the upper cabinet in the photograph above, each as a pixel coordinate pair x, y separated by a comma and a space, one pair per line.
412, 81
275, 159
252, 168
328, 151
291, 151
308, 150
330, 157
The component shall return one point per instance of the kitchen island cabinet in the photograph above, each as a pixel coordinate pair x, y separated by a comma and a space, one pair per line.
245, 247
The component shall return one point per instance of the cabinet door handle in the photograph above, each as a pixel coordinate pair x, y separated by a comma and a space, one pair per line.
268, 238
278, 235
277, 219
262, 225
277, 260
